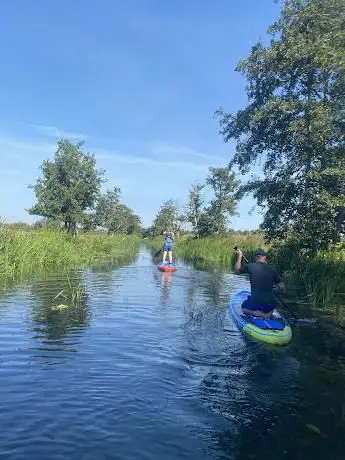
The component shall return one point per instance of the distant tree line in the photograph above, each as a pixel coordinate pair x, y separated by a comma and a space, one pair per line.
68, 195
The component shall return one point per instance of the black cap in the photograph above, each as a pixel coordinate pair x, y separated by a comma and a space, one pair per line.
260, 252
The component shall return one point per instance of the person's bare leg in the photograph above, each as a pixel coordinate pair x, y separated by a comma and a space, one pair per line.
164, 256
170, 257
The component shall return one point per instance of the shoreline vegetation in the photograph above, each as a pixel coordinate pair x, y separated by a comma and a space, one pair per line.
25, 251
319, 279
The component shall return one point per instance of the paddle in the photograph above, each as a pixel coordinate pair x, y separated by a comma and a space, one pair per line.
159, 251
157, 254
297, 320
244, 257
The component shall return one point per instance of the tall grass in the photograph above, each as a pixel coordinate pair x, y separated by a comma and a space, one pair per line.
320, 279
218, 249
24, 251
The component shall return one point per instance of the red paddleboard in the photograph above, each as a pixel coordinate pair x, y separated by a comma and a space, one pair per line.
167, 267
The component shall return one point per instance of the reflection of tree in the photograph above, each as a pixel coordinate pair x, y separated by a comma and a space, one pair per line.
203, 265
251, 394
203, 296
58, 322
281, 403
190, 291
106, 276
108, 265
212, 287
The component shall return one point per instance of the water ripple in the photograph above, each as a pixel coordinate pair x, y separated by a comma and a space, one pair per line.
150, 366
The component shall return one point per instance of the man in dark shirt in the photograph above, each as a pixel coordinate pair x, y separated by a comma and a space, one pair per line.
262, 278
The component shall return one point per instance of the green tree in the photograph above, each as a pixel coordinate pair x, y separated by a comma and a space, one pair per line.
125, 221
69, 186
214, 218
106, 207
89, 222
195, 208
167, 219
46, 223
115, 216
224, 186
295, 123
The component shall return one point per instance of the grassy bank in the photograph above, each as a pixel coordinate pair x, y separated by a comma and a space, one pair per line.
214, 250
25, 251
219, 250
320, 279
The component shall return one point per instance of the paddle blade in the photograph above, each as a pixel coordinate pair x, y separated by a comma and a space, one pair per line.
158, 252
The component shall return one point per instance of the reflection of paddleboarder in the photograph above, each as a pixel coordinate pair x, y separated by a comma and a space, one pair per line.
165, 287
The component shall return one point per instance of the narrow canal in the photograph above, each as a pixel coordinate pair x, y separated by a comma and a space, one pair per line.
150, 366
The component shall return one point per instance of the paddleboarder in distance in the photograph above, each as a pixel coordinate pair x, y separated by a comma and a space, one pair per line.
264, 279
168, 246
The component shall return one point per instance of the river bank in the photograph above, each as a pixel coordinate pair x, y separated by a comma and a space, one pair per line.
319, 279
22, 252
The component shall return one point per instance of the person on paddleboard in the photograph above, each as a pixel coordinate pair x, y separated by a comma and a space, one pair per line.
264, 279
168, 246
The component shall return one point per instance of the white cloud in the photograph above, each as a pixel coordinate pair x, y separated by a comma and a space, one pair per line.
169, 155
9, 144
114, 156
56, 133
173, 150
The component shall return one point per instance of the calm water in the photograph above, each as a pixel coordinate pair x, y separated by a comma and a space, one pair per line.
150, 366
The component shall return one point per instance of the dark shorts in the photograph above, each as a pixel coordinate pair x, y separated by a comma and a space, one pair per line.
248, 305
168, 247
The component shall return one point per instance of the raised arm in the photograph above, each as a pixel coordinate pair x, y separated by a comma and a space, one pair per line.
237, 266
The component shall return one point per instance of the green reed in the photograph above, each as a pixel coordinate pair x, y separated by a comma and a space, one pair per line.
219, 249
320, 279
24, 251
73, 296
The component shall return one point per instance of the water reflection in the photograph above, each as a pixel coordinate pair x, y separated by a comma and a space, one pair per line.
161, 383
213, 287
109, 265
59, 312
166, 279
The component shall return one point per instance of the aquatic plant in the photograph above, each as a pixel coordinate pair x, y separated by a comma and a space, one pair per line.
73, 295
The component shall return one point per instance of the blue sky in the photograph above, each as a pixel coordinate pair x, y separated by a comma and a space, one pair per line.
139, 80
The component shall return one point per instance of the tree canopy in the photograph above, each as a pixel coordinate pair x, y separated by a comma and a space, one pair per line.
125, 221
69, 191
295, 124
214, 217
115, 216
69, 186
167, 219
195, 208
106, 207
